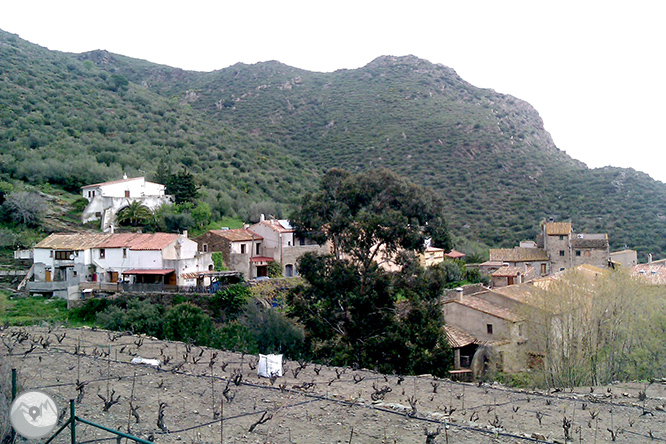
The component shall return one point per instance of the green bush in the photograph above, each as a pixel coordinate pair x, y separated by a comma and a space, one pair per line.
227, 304
89, 310
188, 323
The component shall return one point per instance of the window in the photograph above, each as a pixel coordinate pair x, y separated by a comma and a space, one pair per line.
562, 269
124, 252
577, 252
63, 255
258, 249
51, 253
243, 248
205, 248
561, 237
76, 273
127, 193
561, 252
102, 253
543, 268
301, 241
489, 328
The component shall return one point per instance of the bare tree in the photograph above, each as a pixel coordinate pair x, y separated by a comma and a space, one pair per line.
25, 208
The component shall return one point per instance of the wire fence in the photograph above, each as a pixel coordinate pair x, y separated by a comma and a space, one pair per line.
87, 347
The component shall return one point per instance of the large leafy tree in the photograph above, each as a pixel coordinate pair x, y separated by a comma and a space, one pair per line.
369, 215
350, 306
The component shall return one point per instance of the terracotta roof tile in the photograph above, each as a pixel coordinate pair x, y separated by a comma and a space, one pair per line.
518, 254
455, 254
275, 225
237, 235
457, 337
558, 228
139, 241
72, 241
507, 272
485, 307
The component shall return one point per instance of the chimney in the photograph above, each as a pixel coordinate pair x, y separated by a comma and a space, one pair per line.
111, 229
185, 234
459, 293
124, 176
262, 217
649, 258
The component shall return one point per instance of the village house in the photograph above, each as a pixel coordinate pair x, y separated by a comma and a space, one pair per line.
626, 258
282, 245
106, 199
474, 322
558, 248
66, 263
242, 250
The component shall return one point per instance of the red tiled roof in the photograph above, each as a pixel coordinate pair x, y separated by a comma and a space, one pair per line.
157, 271
139, 241
453, 254
261, 259
112, 182
275, 225
237, 235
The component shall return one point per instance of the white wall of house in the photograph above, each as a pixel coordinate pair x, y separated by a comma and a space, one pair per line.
105, 200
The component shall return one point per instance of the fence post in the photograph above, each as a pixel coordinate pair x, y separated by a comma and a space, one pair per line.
12, 433
72, 418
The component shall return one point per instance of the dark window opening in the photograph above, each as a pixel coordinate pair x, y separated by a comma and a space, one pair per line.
258, 249
63, 255
489, 328
577, 252
242, 248
561, 252
102, 253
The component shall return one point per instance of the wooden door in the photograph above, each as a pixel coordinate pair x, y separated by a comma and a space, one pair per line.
114, 276
47, 277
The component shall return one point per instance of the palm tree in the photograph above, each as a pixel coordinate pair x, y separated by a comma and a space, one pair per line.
134, 214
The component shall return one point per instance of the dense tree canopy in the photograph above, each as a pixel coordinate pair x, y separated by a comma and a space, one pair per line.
370, 214
353, 311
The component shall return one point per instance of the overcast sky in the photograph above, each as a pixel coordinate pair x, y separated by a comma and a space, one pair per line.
594, 70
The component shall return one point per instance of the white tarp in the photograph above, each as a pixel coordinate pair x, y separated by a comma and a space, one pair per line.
268, 365
151, 362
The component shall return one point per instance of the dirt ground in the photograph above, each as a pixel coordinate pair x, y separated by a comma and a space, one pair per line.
311, 403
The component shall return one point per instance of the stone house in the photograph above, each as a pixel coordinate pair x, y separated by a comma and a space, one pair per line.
528, 255
489, 324
282, 245
242, 250
557, 248
106, 199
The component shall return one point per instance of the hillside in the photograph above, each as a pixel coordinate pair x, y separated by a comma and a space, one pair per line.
69, 123
264, 132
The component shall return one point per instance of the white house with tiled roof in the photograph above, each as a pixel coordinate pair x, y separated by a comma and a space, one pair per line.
64, 263
106, 199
